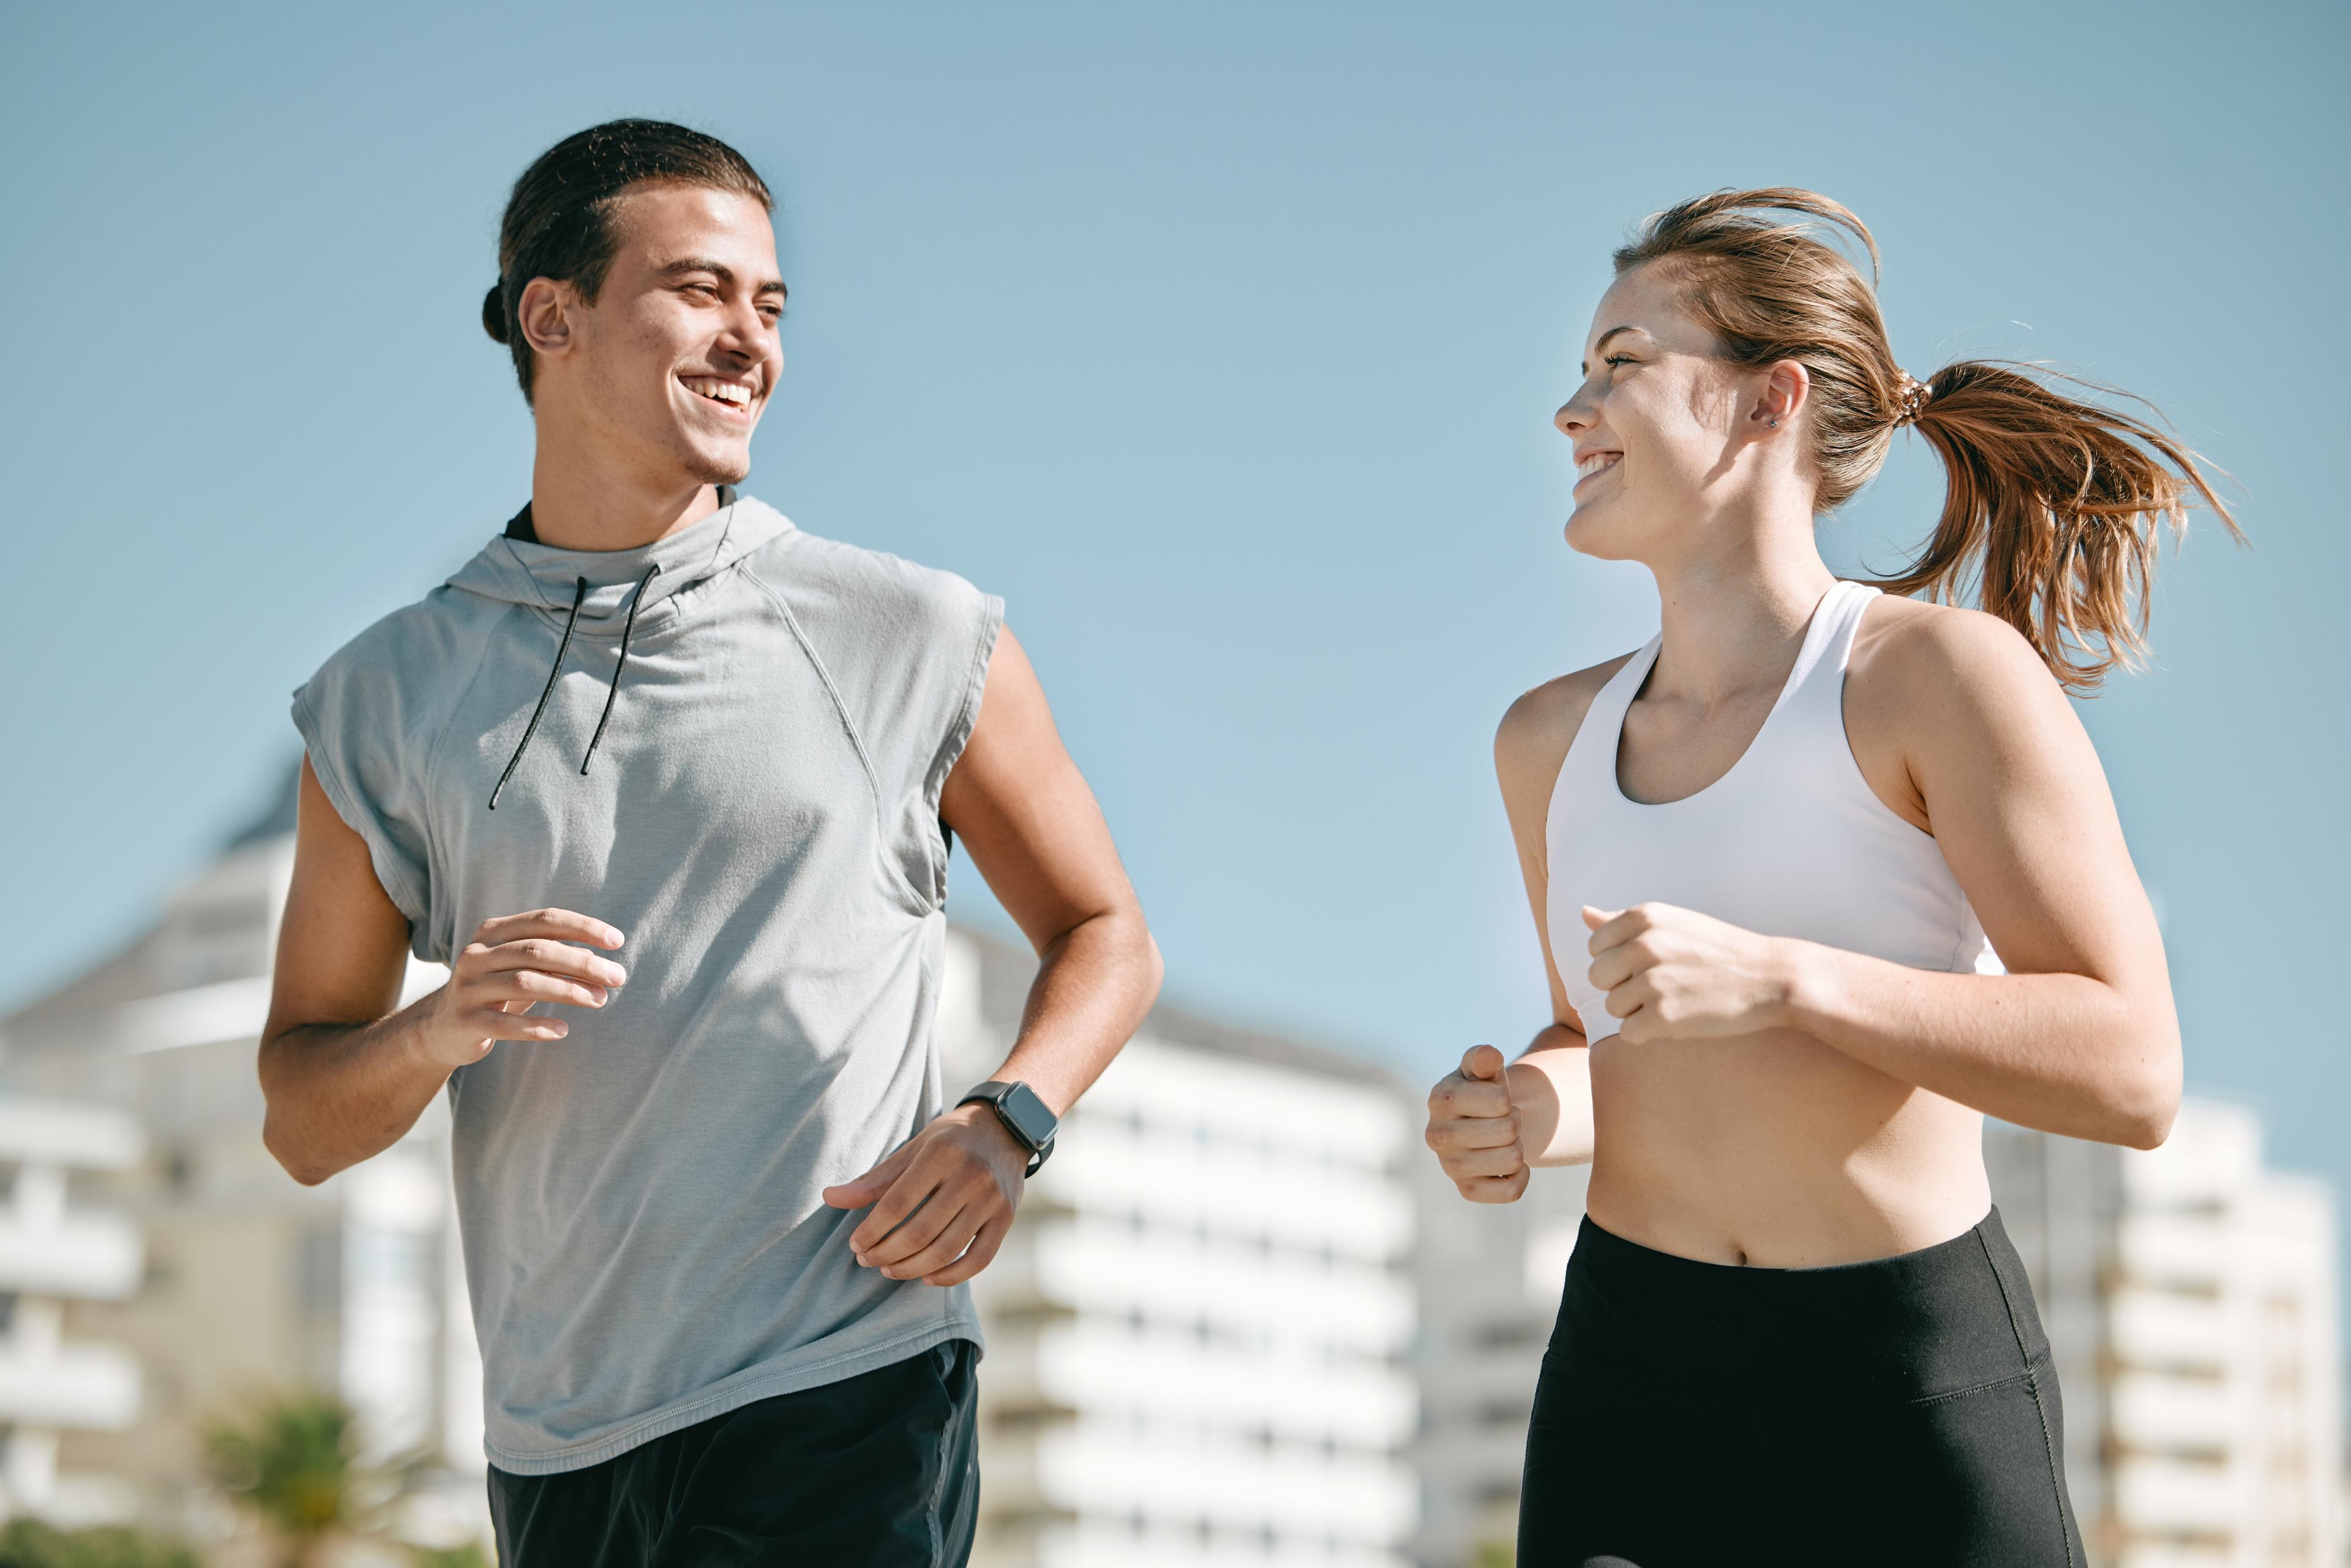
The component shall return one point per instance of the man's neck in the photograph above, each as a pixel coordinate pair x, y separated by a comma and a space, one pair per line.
573, 509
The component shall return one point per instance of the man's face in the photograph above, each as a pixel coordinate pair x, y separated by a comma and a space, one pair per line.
675, 361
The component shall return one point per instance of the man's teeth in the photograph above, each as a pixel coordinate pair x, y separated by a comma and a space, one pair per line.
1596, 463
724, 391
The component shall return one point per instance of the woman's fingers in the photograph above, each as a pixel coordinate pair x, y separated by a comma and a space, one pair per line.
1474, 1132
1501, 1162
1495, 1189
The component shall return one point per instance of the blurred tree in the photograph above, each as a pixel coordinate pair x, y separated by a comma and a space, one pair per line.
28, 1543
293, 1462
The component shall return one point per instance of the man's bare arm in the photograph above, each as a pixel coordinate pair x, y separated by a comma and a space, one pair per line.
344, 1075
1032, 828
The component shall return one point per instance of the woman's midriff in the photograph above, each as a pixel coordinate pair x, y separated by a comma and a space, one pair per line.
1776, 1151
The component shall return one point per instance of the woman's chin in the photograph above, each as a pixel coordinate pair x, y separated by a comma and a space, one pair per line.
1591, 536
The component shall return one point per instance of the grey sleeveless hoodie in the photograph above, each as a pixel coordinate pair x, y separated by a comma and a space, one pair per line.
751, 795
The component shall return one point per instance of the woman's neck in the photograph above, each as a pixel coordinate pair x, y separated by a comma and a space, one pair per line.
1735, 620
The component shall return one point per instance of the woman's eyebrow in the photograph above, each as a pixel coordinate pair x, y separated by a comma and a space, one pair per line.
1627, 327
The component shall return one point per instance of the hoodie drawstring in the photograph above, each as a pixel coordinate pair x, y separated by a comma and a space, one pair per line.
628, 629
578, 593
611, 696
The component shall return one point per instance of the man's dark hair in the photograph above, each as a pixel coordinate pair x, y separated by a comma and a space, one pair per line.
559, 222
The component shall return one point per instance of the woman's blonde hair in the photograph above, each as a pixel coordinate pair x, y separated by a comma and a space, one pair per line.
2054, 506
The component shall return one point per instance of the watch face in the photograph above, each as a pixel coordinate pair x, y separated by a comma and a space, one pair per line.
1028, 1115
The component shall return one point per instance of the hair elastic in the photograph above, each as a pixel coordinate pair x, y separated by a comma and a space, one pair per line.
1912, 395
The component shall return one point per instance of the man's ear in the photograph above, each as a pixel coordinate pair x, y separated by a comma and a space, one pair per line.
544, 314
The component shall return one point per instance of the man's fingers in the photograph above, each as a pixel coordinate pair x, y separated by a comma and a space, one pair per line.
915, 1184
955, 1236
923, 1224
529, 986
564, 925
977, 1255
858, 1191
496, 1023
550, 957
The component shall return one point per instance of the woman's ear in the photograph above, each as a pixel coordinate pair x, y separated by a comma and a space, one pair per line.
1786, 385
544, 315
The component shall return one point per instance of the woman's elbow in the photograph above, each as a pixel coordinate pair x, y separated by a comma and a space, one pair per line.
2147, 1098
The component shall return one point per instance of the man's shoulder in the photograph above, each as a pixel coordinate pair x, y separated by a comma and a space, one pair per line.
826, 580
413, 645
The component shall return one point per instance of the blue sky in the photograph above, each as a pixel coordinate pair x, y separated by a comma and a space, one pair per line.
1222, 342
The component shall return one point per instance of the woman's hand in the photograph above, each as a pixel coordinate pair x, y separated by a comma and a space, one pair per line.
1675, 973
1475, 1131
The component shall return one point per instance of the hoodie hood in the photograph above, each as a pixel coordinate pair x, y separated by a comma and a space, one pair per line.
611, 593
526, 572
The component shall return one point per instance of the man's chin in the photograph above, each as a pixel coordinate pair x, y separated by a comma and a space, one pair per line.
724, 465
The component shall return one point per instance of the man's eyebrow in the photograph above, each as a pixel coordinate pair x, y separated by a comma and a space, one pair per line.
1626, 327
721, 271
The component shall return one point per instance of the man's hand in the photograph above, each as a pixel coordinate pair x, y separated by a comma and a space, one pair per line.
1475, 1132
514, 961
941, 1203
1674, 974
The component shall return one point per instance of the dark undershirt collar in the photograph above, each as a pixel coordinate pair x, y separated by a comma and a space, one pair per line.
519, 526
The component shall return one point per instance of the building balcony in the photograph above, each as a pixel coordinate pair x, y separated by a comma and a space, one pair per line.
77, 1387
87, 1257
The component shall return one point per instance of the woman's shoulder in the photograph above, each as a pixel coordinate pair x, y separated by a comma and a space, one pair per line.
1538, 728
1909, 652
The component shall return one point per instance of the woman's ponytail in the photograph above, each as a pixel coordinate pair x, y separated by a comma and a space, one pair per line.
2056, 506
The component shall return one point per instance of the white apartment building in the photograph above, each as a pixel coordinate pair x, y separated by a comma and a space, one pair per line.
1197, 1334
252, 1284
54, 1251
2192, 1300
1490, 1280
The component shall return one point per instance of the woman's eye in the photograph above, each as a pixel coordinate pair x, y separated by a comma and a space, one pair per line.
1613, 361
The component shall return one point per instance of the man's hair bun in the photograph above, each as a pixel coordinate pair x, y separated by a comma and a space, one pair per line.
494, 313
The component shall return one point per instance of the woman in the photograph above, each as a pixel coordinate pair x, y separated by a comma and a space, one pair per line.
1823, 876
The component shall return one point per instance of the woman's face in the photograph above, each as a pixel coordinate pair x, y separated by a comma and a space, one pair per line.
1655, 425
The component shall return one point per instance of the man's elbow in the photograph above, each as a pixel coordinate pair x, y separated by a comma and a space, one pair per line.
308, 1171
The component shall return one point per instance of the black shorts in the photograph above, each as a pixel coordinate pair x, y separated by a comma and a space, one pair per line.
877, 1469
1901, 1411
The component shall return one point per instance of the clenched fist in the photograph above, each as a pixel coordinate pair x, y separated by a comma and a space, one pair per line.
1475, 1131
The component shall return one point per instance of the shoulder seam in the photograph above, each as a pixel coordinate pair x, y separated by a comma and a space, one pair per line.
849, 728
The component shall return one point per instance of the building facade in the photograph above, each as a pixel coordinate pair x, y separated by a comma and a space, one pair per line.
1199, 1332
2190, 1296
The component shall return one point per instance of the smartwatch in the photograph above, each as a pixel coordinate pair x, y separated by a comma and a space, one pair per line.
1024, 1116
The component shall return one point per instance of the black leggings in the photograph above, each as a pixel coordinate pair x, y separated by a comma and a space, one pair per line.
1694, 1415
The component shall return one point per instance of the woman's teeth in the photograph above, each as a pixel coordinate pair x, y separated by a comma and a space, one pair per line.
732, 392
1596, 463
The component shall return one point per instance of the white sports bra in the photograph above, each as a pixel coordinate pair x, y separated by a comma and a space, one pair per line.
1790, 842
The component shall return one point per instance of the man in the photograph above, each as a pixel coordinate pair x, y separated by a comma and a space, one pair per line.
658, 758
